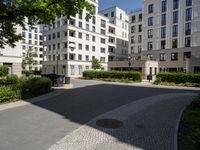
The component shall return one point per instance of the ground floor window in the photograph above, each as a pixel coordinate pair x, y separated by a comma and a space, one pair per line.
80, 69
72, 70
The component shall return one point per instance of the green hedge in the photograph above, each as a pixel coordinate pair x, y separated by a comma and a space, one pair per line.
134, 76
178, 77
3, 71
12, 87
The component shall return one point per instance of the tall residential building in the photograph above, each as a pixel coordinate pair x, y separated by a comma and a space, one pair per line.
70, 45
12, 57
170, 34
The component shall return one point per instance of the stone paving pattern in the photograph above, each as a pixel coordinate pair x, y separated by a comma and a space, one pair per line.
149, 124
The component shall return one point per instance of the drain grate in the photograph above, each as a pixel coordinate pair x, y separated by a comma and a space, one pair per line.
109, 123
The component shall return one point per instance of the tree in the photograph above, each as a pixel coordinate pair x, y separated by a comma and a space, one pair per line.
14, 12
29, 59
96, 64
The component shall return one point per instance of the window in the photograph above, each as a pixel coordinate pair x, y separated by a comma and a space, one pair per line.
72, 22
188, 3
87, 27
188, 28
49, 47
103, 31
112, 14
188, 42
163, 44
162, 57
102, 59
149, 46
80, 16
150, 21
175, 31
80, 46
87, 58
132, 39
72, 70
140, 28
103, 23
103, 41
80, 68
175, 17
79, 57
106, 15
58, 34
133, 19
93, 48
80, 24
87, 47
93, 38
139, 38
188, 16
54, 46
150, 8
49, 36
139, 49
150, 33
132, 29
174, 56
58, 46
163, 19
80, 35
163, 32
103, 50
186, 55
175, 4
71, 56
174, 43
72, 33
140, 18
93, 19
93, 29
87, 37
164, 6
132, 49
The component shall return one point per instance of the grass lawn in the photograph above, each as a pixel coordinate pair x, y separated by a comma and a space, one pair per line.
189, 130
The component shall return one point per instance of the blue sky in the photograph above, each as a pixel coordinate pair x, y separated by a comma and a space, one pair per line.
127, 5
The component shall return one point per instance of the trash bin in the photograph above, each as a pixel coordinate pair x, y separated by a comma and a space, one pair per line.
67, 80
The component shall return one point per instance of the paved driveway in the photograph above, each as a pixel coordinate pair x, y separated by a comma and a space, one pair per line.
38, 126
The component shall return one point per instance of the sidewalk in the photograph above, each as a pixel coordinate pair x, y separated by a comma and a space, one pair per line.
148, 124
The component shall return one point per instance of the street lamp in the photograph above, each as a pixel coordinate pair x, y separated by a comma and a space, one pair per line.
57, 63
129, 62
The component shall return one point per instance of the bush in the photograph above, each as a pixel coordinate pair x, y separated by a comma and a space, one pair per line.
9, 79
7, 94
134, 76
3, 71
35, 86
179, 77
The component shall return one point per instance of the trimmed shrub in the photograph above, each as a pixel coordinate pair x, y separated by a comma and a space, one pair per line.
7, 94
35, 86
9, 79
134, 76
3, 71
179, 77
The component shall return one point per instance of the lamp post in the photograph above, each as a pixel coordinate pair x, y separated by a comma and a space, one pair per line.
57, 63
129, 62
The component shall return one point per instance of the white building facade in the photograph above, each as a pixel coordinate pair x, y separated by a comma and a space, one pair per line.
170, 34
70, 45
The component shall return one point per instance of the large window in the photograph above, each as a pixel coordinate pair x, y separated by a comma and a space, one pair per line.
175, 4
150, 8
150, 21
175, 31
133, 19
175, 17
186, 55
188, 14
174, 43
163, 32
188, 28
163, 20
150, 33
188, 42
149, 46
188, 2
163, 44
174, 56
164, 6
162, 57
132, 29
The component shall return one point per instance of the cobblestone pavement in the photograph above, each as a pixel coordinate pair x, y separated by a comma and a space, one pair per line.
149, 124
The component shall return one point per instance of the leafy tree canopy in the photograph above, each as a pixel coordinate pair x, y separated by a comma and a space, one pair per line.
96, 64
13, 12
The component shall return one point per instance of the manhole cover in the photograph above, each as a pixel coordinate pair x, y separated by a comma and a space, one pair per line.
109, 123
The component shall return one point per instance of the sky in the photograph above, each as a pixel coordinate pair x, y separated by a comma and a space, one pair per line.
126, 5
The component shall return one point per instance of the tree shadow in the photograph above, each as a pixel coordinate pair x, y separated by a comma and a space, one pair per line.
80, 105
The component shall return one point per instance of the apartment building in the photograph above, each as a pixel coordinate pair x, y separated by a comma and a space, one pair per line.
13, 57
71, 44
170, 34
33, 41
